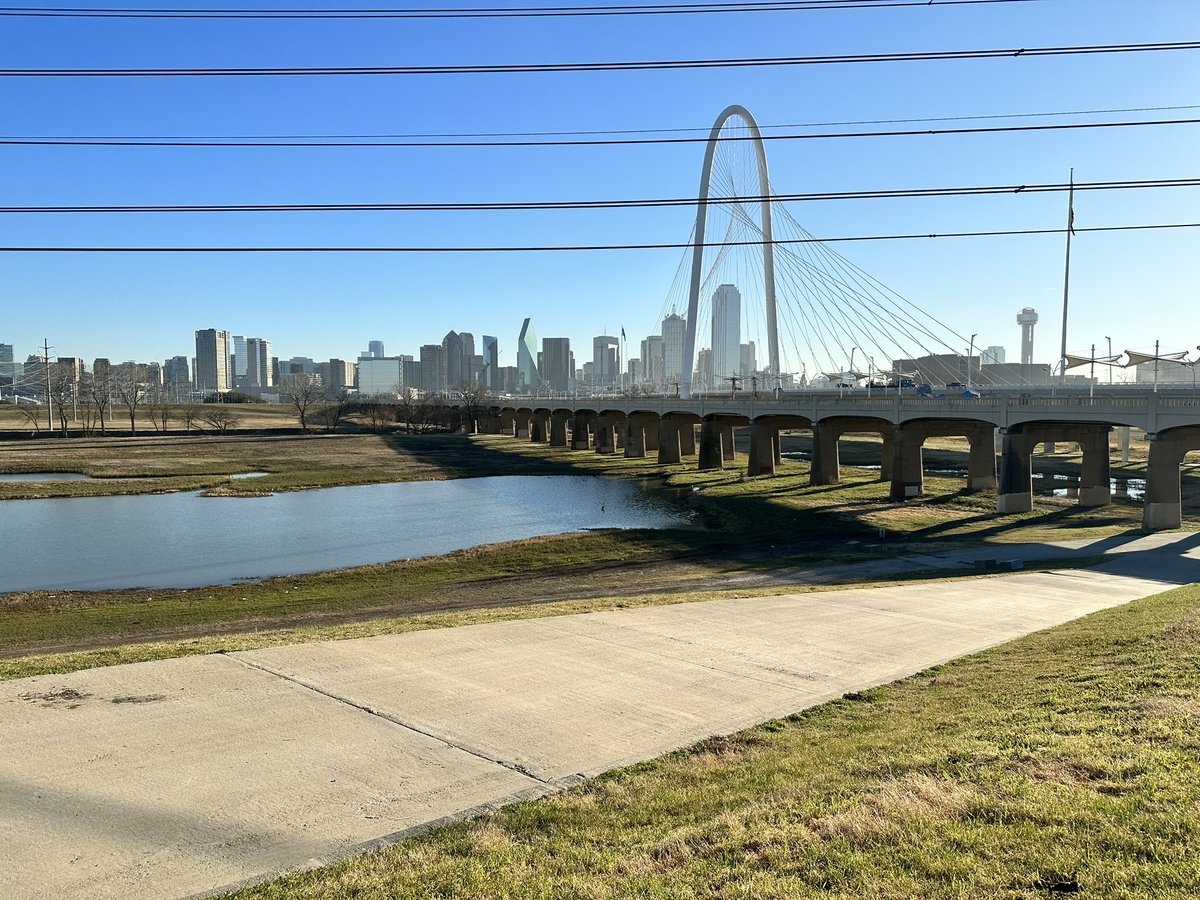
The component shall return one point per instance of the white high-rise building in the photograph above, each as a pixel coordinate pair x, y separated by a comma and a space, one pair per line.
673, 328
212, 360
726, 331
653, 363
258, 371
240, 360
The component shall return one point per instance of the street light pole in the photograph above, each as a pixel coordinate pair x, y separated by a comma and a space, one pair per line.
1110, 365
970, 353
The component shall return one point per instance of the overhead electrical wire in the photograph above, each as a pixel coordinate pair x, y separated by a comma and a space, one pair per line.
590, 142
498, 134
494, 12
583, 247
608, 66
642, 203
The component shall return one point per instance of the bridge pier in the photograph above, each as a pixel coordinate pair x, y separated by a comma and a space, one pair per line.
728, 451
508, 422
764, 444
825, 468
635, 438
1015, 491
711, 455
539, 428
908, 470
605, 442
687, 438
888, 458
668, 441
981, 459
1095, 483
580, 439
1163, 508
650, 428
558, 428
524, 417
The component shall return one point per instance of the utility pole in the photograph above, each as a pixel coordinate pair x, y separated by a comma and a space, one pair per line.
49, 399
1067, 275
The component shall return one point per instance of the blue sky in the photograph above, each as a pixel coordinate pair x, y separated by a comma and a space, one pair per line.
1140, 287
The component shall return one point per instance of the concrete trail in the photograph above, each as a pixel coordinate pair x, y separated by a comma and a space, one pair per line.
185, 776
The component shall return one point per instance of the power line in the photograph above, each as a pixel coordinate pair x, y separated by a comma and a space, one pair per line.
581, 247
590, 142
516, 12
498, 134
639, 203
612, 66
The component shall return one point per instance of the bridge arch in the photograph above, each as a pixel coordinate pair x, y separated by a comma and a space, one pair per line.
764, 185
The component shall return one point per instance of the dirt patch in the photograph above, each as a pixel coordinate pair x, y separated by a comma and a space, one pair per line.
1185, 632
1168, 707
67, 698
895, 803
1079, 774
143, 698
728, 745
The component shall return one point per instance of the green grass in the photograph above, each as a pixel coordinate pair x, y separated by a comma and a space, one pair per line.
1067, 758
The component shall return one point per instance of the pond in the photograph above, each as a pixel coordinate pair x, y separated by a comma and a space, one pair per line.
45, 476
186, 540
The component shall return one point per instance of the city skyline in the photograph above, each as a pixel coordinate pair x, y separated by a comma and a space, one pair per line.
972, 284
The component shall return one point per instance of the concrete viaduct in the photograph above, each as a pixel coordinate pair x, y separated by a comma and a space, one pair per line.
668, 427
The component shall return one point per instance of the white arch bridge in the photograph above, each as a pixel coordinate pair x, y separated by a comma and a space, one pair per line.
668, 426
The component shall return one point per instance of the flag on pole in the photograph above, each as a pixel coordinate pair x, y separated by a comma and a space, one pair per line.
1071, 205
622, 332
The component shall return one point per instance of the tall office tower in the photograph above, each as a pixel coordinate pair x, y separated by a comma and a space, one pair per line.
1027, 318
410, 372
341, 375
637, 372
153, 374
529, 377
726, 330
212, 360
703, 378
380, 377
8, 373
476, 367
175, 372
652, 360
748, 359
456, 364
673, 327
558, 367
992, 356
491, 363
239, 367
433, 368
73, 366
258, 363
606, 360
375, 349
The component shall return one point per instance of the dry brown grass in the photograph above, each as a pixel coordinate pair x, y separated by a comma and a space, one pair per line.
894, 805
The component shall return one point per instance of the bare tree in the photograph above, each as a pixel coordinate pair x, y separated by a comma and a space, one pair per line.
331, 414
303, 392
100, 389
415, 412
475, 402
62, 390
129, 385
31, 414
220, 417
159, 411
379, 415
190, 414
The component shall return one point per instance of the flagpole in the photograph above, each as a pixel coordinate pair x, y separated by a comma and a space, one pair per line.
1067, 275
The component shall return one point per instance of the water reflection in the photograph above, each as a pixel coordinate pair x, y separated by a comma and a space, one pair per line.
186, 540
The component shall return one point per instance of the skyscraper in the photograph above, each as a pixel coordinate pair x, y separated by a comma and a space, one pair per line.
237, 370
726, 332
8, 371
557, 366
212, 360
529, 377
433, 368
749, 360
673, 328
455, 360
491, 363
375, 349
257, 372
653, 363
606, 360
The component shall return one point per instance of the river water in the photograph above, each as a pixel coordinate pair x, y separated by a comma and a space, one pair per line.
186, 540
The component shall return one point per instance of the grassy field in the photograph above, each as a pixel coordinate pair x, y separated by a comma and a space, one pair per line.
741, 526
1062, 762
